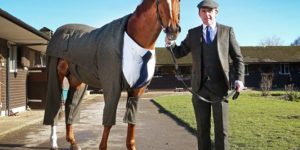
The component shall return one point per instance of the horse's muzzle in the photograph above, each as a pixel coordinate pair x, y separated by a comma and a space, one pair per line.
172, 32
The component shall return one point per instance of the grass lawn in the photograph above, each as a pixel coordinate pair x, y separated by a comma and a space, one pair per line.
255, 122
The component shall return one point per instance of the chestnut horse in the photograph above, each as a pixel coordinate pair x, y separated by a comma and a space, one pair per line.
143, 26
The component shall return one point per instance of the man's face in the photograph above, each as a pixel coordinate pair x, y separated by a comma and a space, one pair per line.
208, 15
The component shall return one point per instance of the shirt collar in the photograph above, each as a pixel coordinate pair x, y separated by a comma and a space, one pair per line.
213, 26
136, 48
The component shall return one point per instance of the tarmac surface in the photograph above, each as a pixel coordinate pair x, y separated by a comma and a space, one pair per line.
155, 129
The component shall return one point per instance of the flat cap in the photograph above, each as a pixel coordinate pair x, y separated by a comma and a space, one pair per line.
208, 3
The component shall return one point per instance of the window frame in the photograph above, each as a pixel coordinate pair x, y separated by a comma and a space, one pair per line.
246, 70
13, 58
284, 69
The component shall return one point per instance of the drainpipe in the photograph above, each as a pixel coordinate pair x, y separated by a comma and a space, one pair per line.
7, 83
1, 62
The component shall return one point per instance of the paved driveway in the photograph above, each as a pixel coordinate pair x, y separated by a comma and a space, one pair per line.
154, 131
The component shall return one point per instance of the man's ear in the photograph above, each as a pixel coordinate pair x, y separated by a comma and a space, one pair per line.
217, 11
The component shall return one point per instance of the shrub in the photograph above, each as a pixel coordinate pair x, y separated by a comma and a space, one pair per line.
266, 83
291, 93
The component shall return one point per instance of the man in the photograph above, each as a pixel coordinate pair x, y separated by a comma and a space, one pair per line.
211, 44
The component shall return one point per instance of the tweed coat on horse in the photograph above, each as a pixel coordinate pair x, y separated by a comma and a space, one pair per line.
95, 56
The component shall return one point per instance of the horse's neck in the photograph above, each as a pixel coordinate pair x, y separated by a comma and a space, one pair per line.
143, 26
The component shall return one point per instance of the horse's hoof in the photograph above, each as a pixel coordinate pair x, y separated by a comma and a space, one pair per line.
54, 148
75, 147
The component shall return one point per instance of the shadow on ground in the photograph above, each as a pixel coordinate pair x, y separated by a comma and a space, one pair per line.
179, 121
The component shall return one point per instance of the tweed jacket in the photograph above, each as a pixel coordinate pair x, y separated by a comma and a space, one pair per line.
227, 47
96, 51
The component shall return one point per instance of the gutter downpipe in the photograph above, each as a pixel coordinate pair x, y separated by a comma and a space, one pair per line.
7, 82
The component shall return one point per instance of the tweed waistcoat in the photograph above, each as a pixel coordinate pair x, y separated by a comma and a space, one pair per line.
213, 76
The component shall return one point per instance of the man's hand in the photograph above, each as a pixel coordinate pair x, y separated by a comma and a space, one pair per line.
168, 42
238, 85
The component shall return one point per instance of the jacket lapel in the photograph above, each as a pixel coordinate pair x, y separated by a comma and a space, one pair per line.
219, 44
200, 39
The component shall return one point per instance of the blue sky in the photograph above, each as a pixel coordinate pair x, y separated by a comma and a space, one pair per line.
252, 20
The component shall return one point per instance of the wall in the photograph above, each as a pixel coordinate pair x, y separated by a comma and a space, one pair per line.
17, 83
2, 75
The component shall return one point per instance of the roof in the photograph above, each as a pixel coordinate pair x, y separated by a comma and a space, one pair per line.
271, 54
257, 54
20, 33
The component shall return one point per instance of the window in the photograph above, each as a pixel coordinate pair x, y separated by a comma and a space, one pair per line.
38, 59
13, 59
43, 60
246, 70
284, 69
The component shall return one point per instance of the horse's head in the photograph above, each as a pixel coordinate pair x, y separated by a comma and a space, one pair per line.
169, 16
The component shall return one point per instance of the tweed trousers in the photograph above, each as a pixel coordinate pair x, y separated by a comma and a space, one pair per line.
54, 97
203, 116
74, 99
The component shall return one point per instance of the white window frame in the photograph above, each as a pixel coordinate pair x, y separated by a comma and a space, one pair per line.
284, 69
246, 70
43, 60
13, 58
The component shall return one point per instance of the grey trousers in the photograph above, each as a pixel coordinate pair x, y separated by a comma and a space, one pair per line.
111, 99
74, 99
203, 114
131, 110
53, 97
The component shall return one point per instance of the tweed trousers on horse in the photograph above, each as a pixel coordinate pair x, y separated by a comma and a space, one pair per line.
95, 57
54, 97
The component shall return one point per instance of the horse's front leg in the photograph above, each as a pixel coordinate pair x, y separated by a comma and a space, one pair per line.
104, 140
130, 140
131, 109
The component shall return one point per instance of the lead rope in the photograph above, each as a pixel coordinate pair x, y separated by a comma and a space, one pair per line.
232, 93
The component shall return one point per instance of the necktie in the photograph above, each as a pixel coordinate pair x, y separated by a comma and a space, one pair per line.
208, 34
144, 71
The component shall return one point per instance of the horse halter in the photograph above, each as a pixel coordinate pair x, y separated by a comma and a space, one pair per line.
168, 28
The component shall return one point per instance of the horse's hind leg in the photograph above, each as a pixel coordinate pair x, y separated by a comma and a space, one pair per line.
61, 70
53, 138
72, 108
53, 98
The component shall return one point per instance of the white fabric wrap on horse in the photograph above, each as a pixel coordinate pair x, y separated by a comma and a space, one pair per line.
132, 61
97, 51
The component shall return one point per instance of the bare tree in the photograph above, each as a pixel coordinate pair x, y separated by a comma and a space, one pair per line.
296, 42
271, 41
